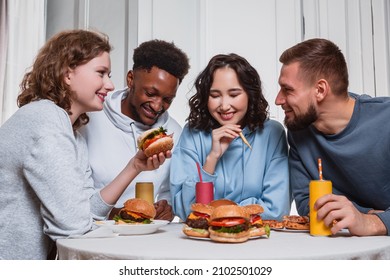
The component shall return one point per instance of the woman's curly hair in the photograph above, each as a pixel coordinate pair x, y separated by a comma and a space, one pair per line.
66, 50
257, 113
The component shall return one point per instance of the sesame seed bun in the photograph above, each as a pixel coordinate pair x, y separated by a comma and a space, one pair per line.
229, 211
192, 232
229, 237
202, 208
222, 201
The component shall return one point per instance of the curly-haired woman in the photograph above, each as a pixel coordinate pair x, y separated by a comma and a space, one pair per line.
229, 100
45, 183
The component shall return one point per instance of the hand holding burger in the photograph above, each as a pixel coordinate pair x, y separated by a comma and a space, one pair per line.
155, 141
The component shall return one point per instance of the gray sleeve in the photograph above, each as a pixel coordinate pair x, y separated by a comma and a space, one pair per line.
68, 202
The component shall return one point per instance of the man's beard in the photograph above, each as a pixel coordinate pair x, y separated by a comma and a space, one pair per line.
302, 121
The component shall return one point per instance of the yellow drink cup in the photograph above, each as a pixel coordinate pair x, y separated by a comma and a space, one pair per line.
145, 190
318, 188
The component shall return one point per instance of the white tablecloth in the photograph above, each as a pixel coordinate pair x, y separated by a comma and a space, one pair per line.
170, 243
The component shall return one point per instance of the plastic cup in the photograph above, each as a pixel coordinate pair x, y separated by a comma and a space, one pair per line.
204, 192
145, 190
317, 189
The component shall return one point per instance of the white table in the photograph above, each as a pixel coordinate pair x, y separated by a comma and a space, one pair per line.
170, 243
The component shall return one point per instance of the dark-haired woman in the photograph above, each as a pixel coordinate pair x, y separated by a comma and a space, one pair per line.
229, 100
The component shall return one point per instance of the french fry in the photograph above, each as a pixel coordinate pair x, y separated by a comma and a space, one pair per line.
245, 141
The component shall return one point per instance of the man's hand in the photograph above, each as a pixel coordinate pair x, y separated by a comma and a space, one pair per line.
163, 211
338, 208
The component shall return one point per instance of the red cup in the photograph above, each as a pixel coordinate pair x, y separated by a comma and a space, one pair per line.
204, 192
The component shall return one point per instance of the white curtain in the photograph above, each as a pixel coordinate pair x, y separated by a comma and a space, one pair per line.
22, 27
3, 49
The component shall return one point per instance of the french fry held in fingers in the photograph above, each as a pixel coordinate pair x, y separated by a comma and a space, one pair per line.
244, 140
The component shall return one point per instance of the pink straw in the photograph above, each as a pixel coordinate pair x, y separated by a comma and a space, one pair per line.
200, 173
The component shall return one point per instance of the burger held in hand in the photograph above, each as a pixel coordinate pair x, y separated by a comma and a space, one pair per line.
229, 224
256, 228
136, 210
197, 222
155, 141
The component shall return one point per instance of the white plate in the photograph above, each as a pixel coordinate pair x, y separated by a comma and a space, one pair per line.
132, 229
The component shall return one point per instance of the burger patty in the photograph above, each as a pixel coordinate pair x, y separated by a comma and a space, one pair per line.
126, 216
201, 223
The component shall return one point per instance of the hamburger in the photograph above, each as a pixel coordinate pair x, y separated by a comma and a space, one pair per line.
197, 222
223, 201
257, 227
229, 224
136, 210
155, 141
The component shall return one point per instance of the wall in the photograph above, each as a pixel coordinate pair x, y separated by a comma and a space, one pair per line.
110, 17
257, 29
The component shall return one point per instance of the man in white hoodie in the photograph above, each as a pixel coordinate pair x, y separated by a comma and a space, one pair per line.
111, 135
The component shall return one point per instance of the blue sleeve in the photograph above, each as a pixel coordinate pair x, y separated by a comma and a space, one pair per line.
276, 194
184, 175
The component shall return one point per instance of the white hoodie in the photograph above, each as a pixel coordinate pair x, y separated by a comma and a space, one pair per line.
112, 141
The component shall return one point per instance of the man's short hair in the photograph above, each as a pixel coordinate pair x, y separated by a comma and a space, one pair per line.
163, 55
319, 59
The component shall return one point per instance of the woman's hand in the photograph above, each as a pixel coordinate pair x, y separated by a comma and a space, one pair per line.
221, 139
136, 165
142, 163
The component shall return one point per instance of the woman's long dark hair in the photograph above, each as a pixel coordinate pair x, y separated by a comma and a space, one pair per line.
257, 113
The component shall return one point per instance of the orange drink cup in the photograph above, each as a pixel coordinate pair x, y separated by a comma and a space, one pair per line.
318, 188
145, 190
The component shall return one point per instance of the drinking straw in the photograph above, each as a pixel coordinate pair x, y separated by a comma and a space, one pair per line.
200, 173
244, 140
320, 168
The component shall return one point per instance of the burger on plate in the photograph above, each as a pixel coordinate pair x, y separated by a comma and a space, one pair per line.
223, 201
155, 141
230, 224
257, 227
197, 222
136, 210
